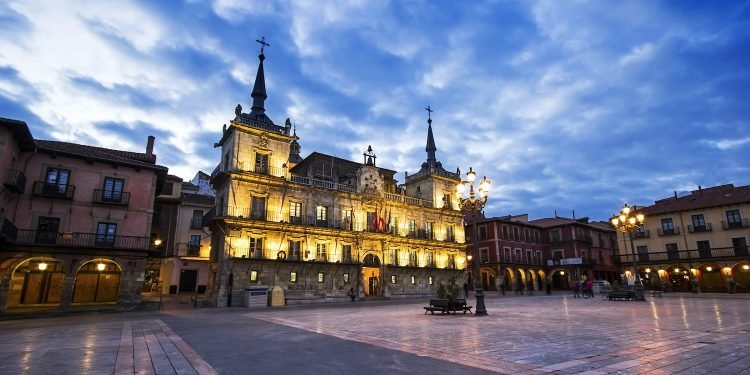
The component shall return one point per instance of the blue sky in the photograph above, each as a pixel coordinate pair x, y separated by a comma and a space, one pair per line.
565, 105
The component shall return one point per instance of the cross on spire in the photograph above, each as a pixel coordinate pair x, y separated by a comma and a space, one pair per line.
263, 43
429, 112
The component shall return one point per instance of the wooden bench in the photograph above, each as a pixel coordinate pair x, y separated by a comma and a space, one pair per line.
621, 295
447, 306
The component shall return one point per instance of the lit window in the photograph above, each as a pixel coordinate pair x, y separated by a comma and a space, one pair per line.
393, 279
413, 279
321, 277
346, 277
429, 280
293, 277
253, 275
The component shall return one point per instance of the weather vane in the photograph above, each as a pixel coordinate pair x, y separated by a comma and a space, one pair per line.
263, 43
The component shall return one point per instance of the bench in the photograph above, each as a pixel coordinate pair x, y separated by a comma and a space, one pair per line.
621, 295
447, 306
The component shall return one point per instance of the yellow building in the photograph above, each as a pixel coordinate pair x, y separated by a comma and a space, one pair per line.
321, 226
694, 241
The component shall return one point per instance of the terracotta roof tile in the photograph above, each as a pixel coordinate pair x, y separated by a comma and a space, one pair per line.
722, 195
99, 153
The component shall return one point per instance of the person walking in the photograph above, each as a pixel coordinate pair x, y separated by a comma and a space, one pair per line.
590, 288
466, 289
576, 287
352, 294
502, 286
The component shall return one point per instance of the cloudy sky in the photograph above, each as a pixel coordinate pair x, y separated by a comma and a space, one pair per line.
565, 105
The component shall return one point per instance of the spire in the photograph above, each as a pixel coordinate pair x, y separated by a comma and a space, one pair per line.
431, 148
259, 89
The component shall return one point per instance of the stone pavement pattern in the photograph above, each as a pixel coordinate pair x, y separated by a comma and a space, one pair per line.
553, 334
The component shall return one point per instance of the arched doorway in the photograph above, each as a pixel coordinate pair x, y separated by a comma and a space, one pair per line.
741, 274
371, 274
711, 279
531, 280
97, 281
560, 279
678, 279
37, 282
542, 280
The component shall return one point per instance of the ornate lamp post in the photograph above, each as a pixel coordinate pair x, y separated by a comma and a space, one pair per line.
474, 205
628, 222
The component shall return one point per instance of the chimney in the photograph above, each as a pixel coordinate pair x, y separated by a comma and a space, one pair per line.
150, 145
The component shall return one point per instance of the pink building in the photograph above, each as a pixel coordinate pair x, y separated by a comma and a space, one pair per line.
76, 222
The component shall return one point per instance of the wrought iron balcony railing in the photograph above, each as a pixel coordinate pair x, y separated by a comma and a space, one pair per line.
189, 250
685, 255
8, 231
83, 240
52, 190
742, 223
699, 228
668, 231
111, 197
15, 181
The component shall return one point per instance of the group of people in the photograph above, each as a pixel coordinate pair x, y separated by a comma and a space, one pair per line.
585, 288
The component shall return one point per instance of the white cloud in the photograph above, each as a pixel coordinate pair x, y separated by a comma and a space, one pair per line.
727, 144
638, 54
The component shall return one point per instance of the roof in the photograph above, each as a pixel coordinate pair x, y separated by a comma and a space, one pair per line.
198, 199
20, 132
135, 159
722, 195
342, 167
549, 222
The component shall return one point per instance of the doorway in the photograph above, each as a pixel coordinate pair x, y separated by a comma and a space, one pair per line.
188, 281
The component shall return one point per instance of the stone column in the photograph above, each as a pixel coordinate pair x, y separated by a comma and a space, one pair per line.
4, 290
67, 293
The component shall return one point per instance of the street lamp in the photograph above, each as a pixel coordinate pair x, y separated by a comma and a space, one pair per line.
474, 205
628, 222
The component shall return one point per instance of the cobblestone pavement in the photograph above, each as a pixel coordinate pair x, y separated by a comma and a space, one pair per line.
526, 335
553, 334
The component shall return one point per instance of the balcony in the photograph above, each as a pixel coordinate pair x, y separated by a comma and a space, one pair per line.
692, 255
83, 240
189, 250
669, 231
248, 253
742, 223
699, 228
15, 181
111, 197
642, 234
571, 261
8, 231
52, 190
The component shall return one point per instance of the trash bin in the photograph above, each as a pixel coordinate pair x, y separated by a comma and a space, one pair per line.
256, 296
277, 296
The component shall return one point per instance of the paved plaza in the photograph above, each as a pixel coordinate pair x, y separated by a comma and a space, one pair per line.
684, 334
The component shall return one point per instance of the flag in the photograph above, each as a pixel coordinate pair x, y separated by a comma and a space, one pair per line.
388, 227
375, 220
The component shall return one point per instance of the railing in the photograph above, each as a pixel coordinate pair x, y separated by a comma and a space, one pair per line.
52, 190
668, 232
85, 240
692, 254
196, 223
189, 250
323, 184
699, 228
243, 119
743, 223
260, 169
642, 233
15, 181
8, 230
111, 197
248, 253
571, 261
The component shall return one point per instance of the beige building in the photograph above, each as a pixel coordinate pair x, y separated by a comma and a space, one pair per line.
694, 241
320, 226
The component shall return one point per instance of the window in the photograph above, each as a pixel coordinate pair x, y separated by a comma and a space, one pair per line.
261, 163
733, 219
347, 222
451, 261
704, 249
529, 257
557, 254
517, 255
293, 277
166, 189
539, 257
413, 258
253, 275
484, 255
346, 277
321, 277
112, 190
197, 221
57, 181
256, 247
527, 235
428, 230
320, 252
105, 234
430, 258
699, 223
536, 236
294, 247
516, 234
739, 245
449, 233
429, 280
412, 226
295, 212
413, 279
394, 257
555, 235
667, 226
394, 279
321, 216
194, 245
506, 254
47, 230
642, 253
482, 232
672, 251
258, 208
346, 251
505, 232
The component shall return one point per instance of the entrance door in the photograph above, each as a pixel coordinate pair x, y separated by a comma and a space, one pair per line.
188, 281
372, 280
